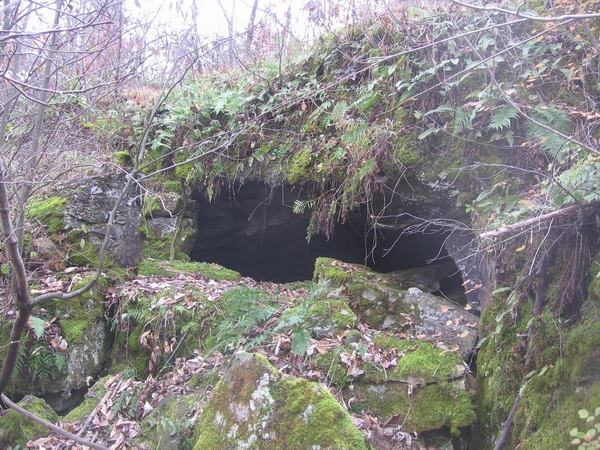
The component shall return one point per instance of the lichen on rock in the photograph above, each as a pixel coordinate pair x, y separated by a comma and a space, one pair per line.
254, 407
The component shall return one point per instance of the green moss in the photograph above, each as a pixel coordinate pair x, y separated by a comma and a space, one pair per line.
213, 271
76, 315
299, 166
422, 407
421, 362
16, 429
123, 159
309, 415
49, 211
408, 150
74, 329
290, 414
372, 296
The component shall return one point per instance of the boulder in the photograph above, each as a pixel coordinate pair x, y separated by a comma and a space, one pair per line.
254, 407
384, 304
87, 213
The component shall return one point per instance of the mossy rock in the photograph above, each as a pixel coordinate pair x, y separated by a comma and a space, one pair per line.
168, 426
16, 429
84, 329
369, 296
253, 407
382, 302
150, 267
48, 211
421, 407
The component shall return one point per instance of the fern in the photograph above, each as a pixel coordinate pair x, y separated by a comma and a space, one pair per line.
440, 109
463, 120
38, 326
501, 118
555, 119
336, 115
21, 359
300, 341
136, 314
247, 309
320, 110
60, 362
301, 205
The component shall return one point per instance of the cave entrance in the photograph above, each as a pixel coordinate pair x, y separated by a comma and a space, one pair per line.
254, 231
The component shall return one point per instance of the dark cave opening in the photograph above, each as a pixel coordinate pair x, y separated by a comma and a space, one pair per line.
255, 232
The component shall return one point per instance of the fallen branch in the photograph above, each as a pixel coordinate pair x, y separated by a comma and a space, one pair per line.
534, 220
50, 425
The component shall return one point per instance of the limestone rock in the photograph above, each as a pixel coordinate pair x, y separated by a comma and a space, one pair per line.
88, 211
254, 407
380, 302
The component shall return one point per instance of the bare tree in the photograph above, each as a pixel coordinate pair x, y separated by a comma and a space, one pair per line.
54, 65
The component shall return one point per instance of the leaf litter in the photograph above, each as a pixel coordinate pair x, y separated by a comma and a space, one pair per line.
115, 421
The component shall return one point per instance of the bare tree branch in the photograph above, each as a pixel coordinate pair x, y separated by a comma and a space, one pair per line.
517, 13
567, 211
50, 425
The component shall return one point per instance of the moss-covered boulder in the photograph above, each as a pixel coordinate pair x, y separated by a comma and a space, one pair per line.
16, 429
426, 386
384, 303
254, 407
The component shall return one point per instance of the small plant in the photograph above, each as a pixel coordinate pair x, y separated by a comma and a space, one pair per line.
590, 439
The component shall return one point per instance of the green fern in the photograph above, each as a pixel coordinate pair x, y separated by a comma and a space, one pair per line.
441, 109
301, 205
463, 120
300, 341
247, 309
136, 314
38, 326
336, 115
501, 118
555, 119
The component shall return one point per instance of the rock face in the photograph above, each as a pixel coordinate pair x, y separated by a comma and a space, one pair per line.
88, 211
254, 407
172, 224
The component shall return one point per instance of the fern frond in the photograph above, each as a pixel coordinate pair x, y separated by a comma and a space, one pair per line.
38, 326
440, 109
300, 341
501, 118
301, 205
553, 118
463, 120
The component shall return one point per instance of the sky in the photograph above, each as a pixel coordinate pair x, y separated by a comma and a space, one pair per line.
209, 16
